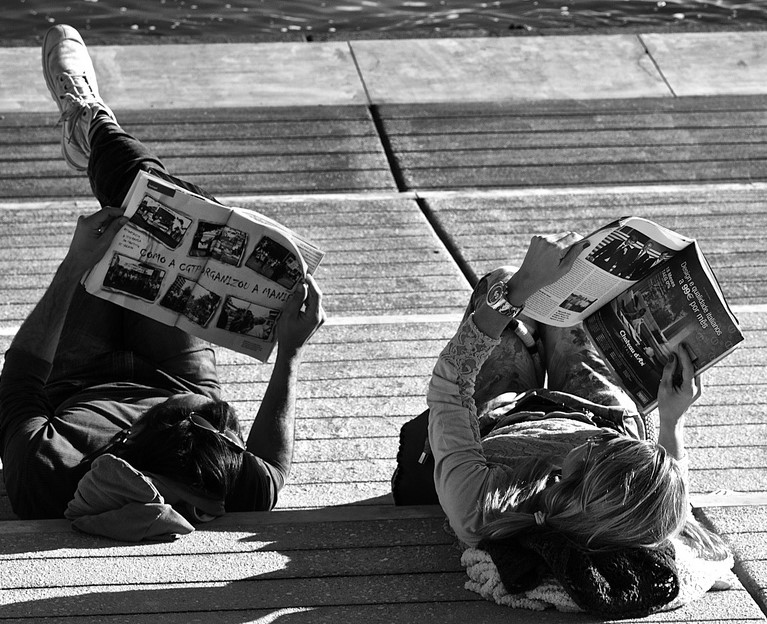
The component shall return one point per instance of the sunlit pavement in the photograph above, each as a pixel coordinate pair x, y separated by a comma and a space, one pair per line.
400, 255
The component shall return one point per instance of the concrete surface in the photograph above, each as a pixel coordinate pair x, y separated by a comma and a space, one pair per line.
422, 70
399, 267
507, 69
712, 63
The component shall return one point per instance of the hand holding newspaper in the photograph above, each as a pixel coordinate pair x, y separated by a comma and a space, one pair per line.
640, 290
220, 273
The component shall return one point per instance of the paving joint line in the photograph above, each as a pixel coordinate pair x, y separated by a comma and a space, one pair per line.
399, 179
728, 498
360, 73
378, 123
86, 202
749, 584
594, 190
656, 65
414, 319
389, 152
447, 240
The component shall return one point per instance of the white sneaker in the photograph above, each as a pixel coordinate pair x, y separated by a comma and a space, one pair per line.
71, 80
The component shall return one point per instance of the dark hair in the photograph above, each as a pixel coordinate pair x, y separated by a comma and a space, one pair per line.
169, 445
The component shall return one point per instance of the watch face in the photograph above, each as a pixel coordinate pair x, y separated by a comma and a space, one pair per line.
496, 293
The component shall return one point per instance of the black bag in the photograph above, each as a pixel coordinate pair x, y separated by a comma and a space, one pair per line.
413, 480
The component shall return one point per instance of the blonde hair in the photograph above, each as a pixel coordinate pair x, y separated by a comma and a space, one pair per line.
625, 493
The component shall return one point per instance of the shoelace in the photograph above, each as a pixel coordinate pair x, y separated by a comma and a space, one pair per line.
72, 107
71, 113
74, 100
79, 85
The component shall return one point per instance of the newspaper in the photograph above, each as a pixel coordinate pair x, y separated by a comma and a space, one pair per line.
640, 290
220, 273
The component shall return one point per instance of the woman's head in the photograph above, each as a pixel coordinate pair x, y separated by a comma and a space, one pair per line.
617, 491
190, 439
613, 491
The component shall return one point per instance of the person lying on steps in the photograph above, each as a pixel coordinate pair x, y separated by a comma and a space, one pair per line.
108, 417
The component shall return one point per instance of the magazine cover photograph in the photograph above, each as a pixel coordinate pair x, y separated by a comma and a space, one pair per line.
628, 254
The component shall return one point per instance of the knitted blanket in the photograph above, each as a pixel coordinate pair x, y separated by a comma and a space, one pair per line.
696, 577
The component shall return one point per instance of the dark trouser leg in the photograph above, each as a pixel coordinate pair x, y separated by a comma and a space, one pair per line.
95, 328
116, 158
91, 332
174, 351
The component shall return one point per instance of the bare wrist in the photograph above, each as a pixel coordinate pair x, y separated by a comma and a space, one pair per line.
289, 354
671, 428
669, 422
671, 436
490, 322
520, 289
70, 270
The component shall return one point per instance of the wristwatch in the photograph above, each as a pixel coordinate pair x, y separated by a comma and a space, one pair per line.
497, 299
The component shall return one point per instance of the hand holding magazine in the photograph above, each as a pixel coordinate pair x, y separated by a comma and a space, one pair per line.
640, 290
220, 273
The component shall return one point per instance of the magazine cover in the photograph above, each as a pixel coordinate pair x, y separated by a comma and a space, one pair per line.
679, 303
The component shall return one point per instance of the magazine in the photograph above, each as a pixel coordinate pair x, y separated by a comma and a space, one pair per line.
640, 290
220, 273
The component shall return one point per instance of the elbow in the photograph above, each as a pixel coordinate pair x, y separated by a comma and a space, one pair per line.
460, 492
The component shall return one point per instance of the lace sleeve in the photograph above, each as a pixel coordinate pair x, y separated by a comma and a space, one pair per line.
464, 355
462, 475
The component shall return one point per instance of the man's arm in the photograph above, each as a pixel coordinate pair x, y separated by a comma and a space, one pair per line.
39, 333
273, 431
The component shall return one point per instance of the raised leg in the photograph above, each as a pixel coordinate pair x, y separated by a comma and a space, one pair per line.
574, 365
115, 158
